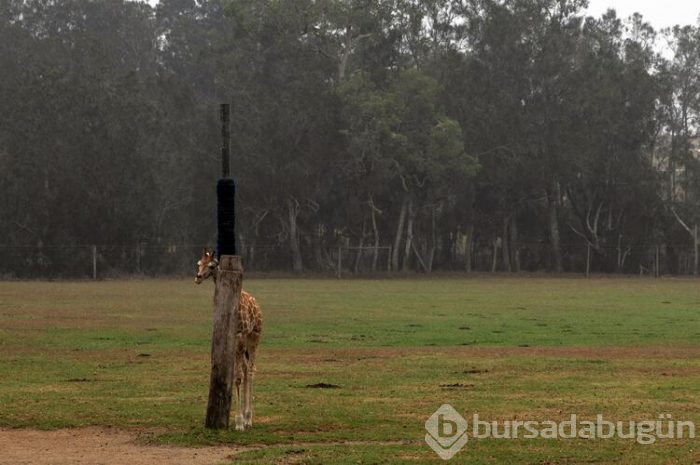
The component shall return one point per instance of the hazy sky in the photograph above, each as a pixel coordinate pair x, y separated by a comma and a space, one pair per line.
660, 13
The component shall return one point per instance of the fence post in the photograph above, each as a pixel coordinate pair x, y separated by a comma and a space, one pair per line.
94, 263
340, 263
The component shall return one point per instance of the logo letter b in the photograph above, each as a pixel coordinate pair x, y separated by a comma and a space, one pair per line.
446, 428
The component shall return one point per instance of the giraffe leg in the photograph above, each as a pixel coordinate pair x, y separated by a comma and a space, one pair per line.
249, 389
239, 416
240, 376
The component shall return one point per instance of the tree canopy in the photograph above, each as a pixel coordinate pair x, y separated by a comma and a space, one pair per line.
498, 135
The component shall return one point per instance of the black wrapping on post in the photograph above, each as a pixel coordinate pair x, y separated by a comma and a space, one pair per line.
226, 217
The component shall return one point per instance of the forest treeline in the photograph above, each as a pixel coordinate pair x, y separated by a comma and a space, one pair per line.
496, 135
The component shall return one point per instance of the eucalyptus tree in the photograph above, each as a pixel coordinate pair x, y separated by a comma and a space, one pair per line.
611, 170
369, 116
292, 113
79, 102
510, 82
681, 101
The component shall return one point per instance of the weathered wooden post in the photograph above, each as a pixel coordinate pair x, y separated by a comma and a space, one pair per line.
588, 259
227, 293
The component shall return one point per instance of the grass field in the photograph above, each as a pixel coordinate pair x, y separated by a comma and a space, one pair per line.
135, 355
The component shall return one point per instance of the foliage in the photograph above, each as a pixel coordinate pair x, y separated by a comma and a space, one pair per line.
485, 134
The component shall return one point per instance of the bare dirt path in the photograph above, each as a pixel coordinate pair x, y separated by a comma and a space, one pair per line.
99, 446
106, 446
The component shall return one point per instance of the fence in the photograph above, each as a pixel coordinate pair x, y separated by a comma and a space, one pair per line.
355, 260
115, 261
645, 259
96, 261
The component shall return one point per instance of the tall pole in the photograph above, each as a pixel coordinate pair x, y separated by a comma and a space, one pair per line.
225, 140
229, 281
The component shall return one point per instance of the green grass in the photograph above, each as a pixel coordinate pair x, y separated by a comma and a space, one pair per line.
135, 355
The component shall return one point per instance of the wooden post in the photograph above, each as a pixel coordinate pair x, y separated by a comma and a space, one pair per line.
340, 263
227, 296
94, 263
588, 259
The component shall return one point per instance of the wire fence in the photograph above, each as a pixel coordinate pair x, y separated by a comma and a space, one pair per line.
144, 260
642, 259
178, 260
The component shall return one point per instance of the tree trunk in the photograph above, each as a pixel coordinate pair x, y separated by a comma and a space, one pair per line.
249, 249
618, 264
470, 215
672, 166
345, 54
399, 234
409, 235
361, 244
421, 262
293, 211
433, 241
553, 217
514, 249
695, 249
251, 256
468, 249
375, 230
448, 248
694, 234
505, 247
320, 260
494, 258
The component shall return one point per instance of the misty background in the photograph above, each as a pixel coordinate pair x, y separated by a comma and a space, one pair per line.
402, 135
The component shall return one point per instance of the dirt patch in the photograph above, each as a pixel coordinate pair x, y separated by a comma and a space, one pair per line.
107, 446
323, 386
456, 386
99, 446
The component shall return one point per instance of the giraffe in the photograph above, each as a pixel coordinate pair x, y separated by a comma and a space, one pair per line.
247, 339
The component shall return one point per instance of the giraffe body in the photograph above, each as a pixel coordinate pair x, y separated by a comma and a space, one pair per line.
248, 331
247, 339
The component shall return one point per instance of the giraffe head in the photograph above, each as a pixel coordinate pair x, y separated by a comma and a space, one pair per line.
206, 266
